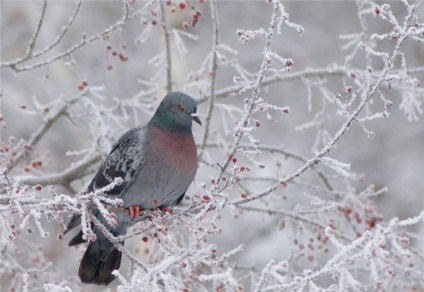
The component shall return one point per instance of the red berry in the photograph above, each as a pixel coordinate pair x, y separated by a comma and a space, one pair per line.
182, 5
26, 169
145, 239
38, 187
258, 124
206, 198
234, 160
109, 67
80, 87
377, 11
123, 57
185, 25
85, 83
244, 195
39, 163
348, 210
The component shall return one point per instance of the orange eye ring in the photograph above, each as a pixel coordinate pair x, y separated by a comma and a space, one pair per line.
180, 108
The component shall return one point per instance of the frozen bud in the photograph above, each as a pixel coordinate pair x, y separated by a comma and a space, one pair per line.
352, 75
362, 45
206, 198
377, 11
369, 69
60, 236
286, 110
289, 63
371, 135
118, 181
185, 25
386, 7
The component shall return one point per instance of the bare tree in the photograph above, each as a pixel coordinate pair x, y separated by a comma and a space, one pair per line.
308, 108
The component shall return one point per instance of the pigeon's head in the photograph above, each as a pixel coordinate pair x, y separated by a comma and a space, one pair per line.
176, 112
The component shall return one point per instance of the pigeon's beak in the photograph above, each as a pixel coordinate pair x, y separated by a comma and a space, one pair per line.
195, 118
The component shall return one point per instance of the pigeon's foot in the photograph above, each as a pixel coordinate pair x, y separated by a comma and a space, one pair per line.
134, 212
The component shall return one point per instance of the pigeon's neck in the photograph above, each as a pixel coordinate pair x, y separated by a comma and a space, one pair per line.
167, 123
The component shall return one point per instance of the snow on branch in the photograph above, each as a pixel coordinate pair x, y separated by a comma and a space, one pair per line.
282, 200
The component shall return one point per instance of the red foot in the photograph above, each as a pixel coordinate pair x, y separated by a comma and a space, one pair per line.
134, 212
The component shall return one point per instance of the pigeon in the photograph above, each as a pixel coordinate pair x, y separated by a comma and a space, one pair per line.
156, 164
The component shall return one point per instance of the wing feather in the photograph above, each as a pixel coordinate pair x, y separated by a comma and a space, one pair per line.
124, 160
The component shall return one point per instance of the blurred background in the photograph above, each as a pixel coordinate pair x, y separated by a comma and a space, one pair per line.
393, 158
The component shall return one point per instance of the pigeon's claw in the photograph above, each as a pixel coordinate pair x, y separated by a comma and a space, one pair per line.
134, 212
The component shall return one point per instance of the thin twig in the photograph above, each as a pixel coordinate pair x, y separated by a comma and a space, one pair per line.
65, 177
295, 217
37, 32
125, 18
256, 90
62, 34
285, 153
49, 121
167, 48
213, 68
116, 243
343, 129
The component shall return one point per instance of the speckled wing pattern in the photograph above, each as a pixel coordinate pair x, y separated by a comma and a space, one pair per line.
124, 160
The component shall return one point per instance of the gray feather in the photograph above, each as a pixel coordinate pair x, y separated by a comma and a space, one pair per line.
157, 164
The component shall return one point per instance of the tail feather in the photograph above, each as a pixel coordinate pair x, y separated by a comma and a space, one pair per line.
77, 239
96, 267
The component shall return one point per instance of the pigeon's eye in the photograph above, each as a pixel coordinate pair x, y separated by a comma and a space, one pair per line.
180, 108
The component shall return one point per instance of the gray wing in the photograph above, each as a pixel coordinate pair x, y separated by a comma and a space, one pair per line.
124, 160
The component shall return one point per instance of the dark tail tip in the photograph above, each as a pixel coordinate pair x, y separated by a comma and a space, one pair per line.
77, 239
95, 270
